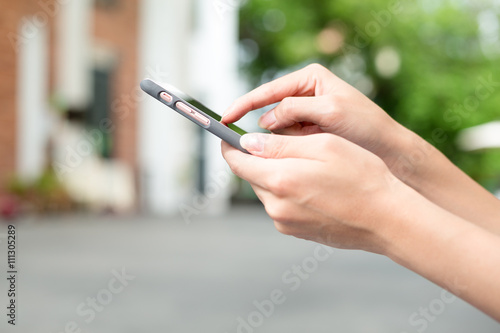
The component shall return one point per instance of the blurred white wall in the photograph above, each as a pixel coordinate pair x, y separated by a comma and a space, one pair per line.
166, 140
74, 45
214, 69
192, 47
485, 136
32, 95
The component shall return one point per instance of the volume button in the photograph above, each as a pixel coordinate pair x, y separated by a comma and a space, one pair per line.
192, 113
184, 108
202, 119
166, 97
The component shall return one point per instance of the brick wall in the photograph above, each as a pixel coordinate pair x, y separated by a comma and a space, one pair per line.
11, 15
117, 26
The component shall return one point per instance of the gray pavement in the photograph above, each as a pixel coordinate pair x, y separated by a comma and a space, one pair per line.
227, 274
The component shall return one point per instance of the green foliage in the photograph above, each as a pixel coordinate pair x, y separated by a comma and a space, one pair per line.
439, 44
42, 195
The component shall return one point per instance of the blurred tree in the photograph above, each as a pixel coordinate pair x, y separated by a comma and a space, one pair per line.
433, 65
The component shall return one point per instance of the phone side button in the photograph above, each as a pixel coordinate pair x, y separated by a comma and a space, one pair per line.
192, 113
184, 108
166, 97
202, 119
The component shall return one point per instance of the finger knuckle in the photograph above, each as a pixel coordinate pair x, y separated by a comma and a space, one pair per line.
269, 89
283, 228
286, 111
235, 168
335, 101
286, 105
277, 150
315, 67
327, 142
277, 213
278, 210
334, 108
281, 184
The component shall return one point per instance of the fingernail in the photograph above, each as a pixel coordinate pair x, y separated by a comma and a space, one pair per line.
267, 119
253, 142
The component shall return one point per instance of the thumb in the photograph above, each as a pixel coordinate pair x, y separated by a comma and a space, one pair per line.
284, 146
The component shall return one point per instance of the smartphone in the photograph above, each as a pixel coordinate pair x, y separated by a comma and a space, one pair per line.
194, 111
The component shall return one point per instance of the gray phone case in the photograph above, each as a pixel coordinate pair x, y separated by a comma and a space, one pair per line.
215, 127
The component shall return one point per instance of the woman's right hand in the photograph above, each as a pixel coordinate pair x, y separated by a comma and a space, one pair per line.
314, 100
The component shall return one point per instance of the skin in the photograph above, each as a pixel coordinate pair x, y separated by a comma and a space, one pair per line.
348, 176
314, 100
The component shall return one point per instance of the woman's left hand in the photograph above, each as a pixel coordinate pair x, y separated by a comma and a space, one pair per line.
319, 187
324, 188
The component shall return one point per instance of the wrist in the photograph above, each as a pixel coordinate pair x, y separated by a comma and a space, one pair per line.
412, 219
408, 161
390, 211
444, 249
391, 215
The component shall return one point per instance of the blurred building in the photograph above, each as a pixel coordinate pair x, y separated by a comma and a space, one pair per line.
70, 99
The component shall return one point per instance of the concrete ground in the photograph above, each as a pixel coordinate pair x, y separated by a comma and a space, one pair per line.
217, 274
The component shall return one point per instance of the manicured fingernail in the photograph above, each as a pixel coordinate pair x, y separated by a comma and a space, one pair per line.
267, 119
253, 142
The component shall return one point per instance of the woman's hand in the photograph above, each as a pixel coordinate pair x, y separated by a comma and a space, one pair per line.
324, 188
313, 100
319, 187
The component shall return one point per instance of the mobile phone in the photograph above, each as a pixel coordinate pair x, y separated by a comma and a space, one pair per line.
194, 111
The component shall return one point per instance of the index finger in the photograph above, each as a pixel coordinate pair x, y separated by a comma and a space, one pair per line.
299, 83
